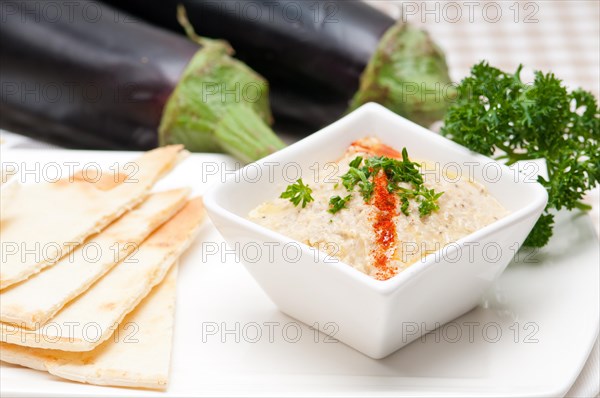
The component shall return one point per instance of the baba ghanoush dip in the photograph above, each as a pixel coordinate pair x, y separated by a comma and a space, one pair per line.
379, 211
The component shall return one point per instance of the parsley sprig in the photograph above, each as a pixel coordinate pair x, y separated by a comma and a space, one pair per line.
397, 172
428, 203
298, 192
496, 110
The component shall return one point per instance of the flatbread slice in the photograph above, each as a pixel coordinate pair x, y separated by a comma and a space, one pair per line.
31, 303
54, 217
138, 355
86, 322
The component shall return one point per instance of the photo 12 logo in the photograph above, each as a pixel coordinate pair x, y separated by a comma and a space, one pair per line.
49, 11
291, 332
470, 332
52, 172
70, 332
289, 172
287, 12
469, 11
90, 252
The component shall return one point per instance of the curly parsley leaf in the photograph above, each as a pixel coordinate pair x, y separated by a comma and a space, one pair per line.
298, 192
495, 110
541, 232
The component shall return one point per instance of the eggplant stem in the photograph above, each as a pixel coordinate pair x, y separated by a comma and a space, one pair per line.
185, 23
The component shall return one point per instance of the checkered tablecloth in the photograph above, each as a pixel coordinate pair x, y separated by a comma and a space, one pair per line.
558, 36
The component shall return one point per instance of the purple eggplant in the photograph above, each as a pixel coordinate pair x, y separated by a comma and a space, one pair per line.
340, 54
84, 74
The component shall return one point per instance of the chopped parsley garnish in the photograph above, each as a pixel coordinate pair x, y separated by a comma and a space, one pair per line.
356, 162
428, 201
361, 174
298, 192
337, 203
360, 177
404, 205
397, 172
406, 194
495, 110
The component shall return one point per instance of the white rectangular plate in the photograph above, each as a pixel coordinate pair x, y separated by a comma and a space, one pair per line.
530, 336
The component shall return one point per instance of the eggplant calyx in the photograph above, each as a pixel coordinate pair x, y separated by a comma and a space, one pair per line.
213, 88
244, 135
407, 74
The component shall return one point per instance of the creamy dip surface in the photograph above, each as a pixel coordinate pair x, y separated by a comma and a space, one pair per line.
380, 240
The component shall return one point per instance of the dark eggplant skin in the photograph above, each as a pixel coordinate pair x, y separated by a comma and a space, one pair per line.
83, 74
311, 52
329, 42
300, 112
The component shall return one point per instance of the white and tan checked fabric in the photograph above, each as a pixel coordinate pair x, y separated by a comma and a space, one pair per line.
558, 36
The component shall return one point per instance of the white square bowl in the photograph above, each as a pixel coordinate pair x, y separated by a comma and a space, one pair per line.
374, 317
